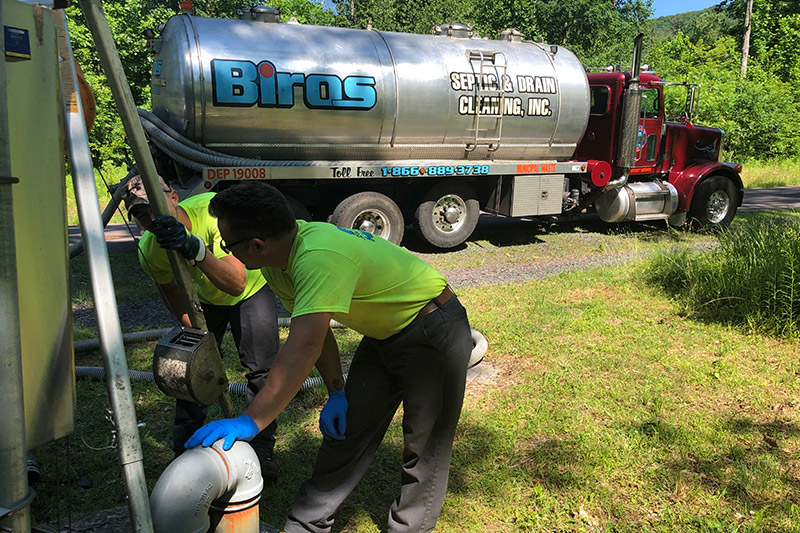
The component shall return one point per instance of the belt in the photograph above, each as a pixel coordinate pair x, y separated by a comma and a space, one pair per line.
434, 304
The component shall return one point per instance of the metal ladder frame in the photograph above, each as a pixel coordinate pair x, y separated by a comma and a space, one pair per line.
488, 57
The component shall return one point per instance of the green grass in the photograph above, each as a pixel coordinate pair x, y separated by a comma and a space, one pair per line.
752, 279
109, 175
760, 174
606, 407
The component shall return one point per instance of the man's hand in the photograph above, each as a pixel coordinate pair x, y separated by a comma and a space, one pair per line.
172, 235
231, 429
333, 417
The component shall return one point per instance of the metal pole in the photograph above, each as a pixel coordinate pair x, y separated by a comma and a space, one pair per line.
14, 490
109, 58
105, 304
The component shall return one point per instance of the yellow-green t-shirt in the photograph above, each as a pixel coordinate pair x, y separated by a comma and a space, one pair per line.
369, 284
155, 263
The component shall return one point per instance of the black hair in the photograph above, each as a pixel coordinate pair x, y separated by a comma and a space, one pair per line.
254, 208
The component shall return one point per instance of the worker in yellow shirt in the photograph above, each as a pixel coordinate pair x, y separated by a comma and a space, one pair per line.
415, 351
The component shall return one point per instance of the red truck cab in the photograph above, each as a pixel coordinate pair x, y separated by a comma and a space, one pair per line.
673, 150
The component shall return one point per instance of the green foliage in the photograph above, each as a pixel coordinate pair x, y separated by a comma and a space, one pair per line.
126, 20
710, 23
572, 23
753, 278
759, 114
775, 39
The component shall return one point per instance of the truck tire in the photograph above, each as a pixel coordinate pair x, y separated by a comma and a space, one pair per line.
371, 212
299, 210
714, 203
448, 214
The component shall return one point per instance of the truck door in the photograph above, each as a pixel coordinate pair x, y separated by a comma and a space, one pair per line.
651, 120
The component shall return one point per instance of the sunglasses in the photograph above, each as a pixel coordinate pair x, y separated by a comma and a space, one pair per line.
227, 247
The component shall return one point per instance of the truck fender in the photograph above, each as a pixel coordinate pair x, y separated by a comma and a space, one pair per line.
687, 180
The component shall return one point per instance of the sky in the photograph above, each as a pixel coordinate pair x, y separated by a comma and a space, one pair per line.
662, 8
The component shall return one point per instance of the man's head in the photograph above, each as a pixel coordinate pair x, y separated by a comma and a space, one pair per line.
255, 222
138, 205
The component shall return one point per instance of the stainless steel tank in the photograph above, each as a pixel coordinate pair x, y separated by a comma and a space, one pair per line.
291, 91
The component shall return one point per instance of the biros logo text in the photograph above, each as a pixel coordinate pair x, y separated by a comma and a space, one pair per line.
238, 83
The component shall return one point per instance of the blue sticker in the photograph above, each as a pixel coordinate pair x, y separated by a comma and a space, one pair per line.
18, 43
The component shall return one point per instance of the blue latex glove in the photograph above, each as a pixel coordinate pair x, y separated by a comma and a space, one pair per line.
172, 235
333, 417
231, 429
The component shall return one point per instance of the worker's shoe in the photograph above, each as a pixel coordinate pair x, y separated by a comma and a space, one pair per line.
269, 467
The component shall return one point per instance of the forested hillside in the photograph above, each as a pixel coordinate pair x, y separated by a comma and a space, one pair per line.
758, 111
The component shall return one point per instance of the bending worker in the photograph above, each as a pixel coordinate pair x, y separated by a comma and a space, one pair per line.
415, 350
228, 294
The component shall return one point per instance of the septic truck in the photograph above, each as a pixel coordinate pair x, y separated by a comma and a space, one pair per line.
376, 130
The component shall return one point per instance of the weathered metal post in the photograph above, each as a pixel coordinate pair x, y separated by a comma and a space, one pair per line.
14, 491
105, 303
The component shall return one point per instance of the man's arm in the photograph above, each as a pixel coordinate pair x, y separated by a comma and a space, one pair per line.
227, 274
307, 336
174, 302
329, 364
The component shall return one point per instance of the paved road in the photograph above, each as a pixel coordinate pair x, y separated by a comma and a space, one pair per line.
120, 236
772, 199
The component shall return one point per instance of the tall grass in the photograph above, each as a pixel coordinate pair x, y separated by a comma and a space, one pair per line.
752, 278
775, 173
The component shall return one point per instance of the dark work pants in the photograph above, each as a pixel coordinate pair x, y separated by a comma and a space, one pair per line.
424, 367
254, 325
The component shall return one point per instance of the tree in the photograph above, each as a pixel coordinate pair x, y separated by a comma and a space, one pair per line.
775, 34
746, 40
760, 115
597, 31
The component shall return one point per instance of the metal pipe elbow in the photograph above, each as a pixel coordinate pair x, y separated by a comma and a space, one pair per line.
200, 477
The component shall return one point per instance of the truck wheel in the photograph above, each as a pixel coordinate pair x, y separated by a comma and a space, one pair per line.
714, 203
448, 214
371, 212
300, 211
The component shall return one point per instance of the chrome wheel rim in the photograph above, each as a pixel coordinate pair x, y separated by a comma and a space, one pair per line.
373, 221
449, 213
719, 203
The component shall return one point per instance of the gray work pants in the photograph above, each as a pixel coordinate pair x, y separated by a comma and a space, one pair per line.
424, 367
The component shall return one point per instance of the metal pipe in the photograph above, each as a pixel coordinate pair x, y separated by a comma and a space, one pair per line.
201, 478
14, 488
109, 58
238, 387
105, 304
631, 109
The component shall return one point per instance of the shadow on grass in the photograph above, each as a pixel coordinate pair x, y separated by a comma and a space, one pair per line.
753, 469
476, 472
